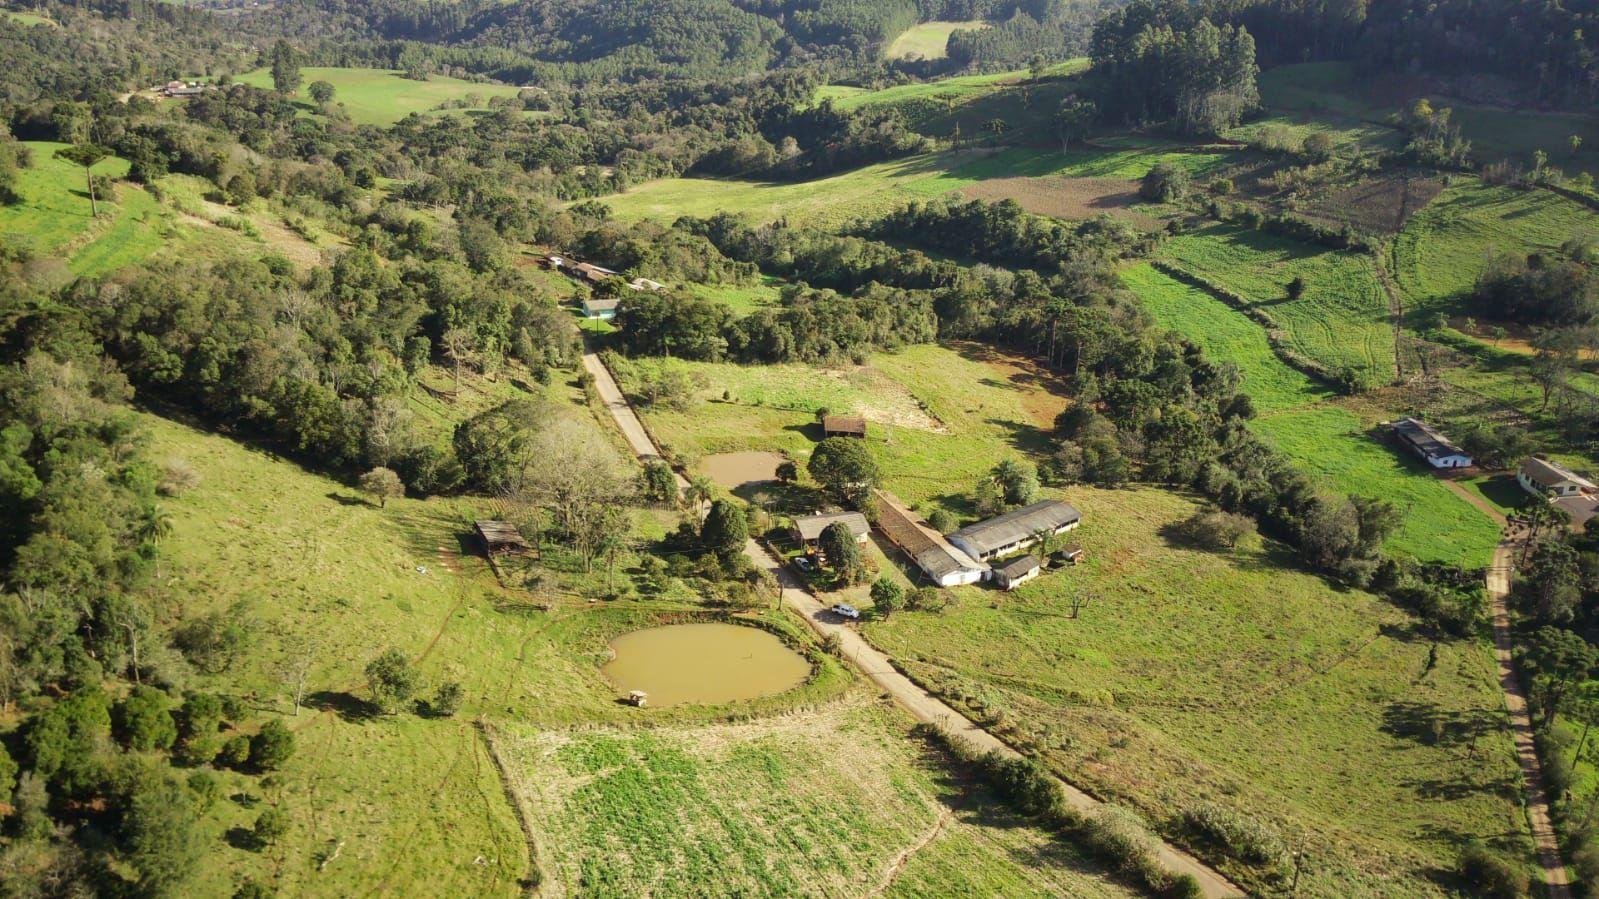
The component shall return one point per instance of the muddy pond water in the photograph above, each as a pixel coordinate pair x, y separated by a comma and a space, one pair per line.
737, 469
703, 663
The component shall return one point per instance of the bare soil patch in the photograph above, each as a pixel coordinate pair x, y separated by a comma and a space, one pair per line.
1378, 205
1066, 198
737, 469
1044, 393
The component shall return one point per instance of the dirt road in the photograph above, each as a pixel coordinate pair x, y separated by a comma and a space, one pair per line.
922, 705
1543, 832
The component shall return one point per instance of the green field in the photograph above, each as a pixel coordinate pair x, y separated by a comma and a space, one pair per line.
383, 97
28, 18
1236, 679
1440, 252
1335, 93
743, 299
54, 215
928, 40
959, 89
875, 189
1340, 320
815, 803
1328, 441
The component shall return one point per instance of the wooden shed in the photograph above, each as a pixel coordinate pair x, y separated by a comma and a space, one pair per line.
501, 537
843, 426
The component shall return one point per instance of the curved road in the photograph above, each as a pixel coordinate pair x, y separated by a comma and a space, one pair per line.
922, 705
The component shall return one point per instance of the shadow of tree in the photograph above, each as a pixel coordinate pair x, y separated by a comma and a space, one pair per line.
346, 705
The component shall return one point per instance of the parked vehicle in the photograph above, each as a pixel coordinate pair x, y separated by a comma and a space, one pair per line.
804, 564
844, 610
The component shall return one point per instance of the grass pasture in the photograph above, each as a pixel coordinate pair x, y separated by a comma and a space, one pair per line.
928, 40
743, 299
383, 96
28, 18
835, 801
54, 215
1340, 320
1302, 419
1240, 680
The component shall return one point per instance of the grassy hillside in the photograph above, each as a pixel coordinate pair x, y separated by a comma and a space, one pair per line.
54, 215
1341, 319
928, 40
1233, 678
383, 97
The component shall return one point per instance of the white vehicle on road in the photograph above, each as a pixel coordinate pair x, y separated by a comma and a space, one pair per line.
843, 610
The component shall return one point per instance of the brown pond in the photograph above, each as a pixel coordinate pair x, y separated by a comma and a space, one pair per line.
703, 663
737, 469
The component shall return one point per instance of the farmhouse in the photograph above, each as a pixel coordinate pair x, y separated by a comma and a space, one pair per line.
1015, 530
944, 565
1426, 442
500, 537
808, 529
183, 89
1541, 477
585, 271
594, 307
1012, 574
843, 426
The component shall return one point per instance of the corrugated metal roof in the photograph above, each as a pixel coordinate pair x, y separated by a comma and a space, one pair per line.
844, 424
1016, 526
1552, 474
811, 526
931, 552
1018, 566
1425, 438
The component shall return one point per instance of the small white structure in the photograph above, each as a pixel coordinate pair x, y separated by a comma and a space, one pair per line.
1542, 477
1425, 441
1018, 529
1018, 571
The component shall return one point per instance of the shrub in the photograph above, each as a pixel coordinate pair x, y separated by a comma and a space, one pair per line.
272, 746
1241, 836
447, 701
392, 680
1486, 873
1216, 530
943, 521
143, 722
269, 828
1164, 183
177, 477
236, 750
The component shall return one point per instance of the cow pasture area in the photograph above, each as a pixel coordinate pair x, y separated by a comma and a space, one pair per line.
385, 96
928, 40
1236, 678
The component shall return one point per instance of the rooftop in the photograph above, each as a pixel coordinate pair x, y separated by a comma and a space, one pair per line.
501, 536
810, 527
932, 553
1018, 566
1545, 473
1017, 525
1425, 438
844, 424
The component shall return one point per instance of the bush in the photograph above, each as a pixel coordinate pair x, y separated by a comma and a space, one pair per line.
143, 722
1216, 530
943, 521
269, 828
1239, 835
1164, 183
447, 701
272, 746
177, 477
1486, 873
236, 751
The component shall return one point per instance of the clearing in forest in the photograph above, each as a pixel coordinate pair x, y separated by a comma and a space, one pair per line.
385, 96
928, 40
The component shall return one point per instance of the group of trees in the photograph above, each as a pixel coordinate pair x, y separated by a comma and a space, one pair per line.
1164, 61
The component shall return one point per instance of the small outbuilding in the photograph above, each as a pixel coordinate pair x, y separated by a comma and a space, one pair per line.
1071, 553
501, 538
1425, 441
1012, 574
1546, 478
843, 426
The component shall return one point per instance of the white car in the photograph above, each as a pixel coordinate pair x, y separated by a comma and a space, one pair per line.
843, 610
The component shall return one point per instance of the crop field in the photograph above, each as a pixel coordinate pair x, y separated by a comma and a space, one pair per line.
1340, 320
835, 801
382, 96
1437, 257
874, 189
1068, 198
928, 40
1327, 441
1237, 679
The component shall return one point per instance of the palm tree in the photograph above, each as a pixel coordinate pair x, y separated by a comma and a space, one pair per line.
156, 527
698, 494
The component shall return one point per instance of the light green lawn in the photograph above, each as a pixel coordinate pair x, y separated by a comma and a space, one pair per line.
28, 18
1327, 441
960, 88
928, 40
1236, 679
381, 96
1340, 320
875, 189
743, 299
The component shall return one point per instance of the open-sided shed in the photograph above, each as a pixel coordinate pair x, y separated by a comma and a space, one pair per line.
501, 537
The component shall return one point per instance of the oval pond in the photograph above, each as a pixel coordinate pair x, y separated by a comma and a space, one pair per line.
703, 663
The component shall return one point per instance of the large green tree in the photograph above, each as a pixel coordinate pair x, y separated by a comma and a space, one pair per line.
845, 467
725, 530
285, 68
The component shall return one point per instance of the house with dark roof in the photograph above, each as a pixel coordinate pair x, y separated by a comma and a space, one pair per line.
1425, 441
1012, 574
843, 426
944, 564
1547, 478
1016, 530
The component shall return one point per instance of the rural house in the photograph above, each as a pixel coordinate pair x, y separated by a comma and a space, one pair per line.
1542, 477
1012, 574
808, 529
603, 309
944, 565
1015, 530
1426, 442
843, 426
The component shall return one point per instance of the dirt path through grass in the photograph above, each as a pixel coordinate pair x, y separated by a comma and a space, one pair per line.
1543, 832
923, 705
